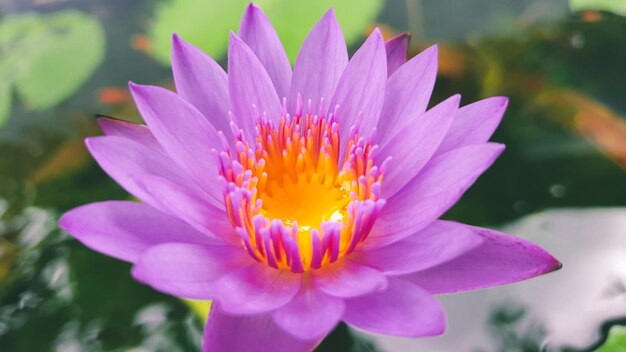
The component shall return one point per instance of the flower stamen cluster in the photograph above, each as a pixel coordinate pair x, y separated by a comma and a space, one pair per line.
293, 207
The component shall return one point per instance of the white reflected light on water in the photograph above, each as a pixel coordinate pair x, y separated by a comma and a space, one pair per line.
563, 309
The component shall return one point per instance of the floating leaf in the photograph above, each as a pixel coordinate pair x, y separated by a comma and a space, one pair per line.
206, 23
48, 57
616, 341
615, 6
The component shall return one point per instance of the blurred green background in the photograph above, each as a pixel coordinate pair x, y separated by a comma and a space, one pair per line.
562, 63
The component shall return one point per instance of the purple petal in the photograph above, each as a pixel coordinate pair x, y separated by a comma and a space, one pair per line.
438, 243
124, 159
499, 259
188, 270
257, 288
124, 230
225, 333
403, 309
310, 315
396, 49
257, 31
202, 82
250, 87
183, 132
133, 131
433, 191
407, 93
190, 207
412, 147
348, 279
474, 123
361, 90
320, 62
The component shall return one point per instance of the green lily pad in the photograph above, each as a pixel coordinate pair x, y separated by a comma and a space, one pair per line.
616, 341
48, 57
206, 24
615, 6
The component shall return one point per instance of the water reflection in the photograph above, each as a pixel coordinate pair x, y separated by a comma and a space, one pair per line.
565, 310
54, 290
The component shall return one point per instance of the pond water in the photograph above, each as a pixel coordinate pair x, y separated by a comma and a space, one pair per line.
561, 63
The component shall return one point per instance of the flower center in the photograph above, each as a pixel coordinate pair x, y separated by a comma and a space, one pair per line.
305, 203
287, 198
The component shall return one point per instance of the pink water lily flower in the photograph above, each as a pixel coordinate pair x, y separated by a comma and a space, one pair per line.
296, 199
